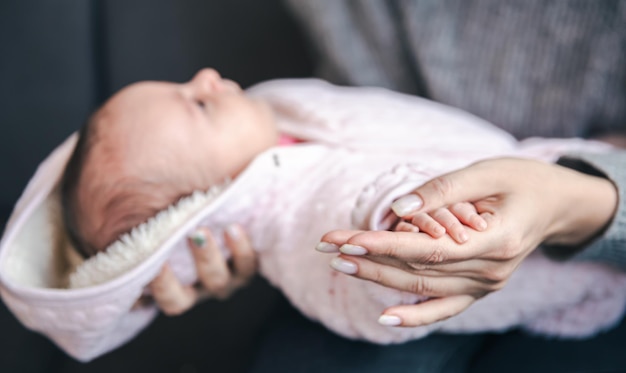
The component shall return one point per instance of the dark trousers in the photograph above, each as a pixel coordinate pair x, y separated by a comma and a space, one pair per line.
291, 343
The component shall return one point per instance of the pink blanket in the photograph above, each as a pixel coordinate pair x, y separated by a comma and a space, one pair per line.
363, 149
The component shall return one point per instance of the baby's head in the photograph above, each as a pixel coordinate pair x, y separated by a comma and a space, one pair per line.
153, 143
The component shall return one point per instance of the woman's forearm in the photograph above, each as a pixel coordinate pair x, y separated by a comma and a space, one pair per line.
587, 206
608, 243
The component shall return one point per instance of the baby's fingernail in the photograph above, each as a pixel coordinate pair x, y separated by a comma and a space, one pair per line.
326, 247
481, 225
406, 205
233, 231
463, 236
198, 239
389, 320
353, 249
343, 266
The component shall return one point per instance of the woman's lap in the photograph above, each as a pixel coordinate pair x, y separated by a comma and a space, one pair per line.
292, 343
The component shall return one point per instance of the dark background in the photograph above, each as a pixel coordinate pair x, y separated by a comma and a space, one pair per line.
59, 59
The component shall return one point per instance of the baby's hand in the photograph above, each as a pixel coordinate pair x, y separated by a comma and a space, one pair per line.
452, 220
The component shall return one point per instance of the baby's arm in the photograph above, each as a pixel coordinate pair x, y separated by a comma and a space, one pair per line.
452, 220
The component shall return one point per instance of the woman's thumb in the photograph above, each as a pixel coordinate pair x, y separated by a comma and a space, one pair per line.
465, 185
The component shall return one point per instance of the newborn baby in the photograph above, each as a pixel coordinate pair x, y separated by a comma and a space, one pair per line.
155, 142
342, 162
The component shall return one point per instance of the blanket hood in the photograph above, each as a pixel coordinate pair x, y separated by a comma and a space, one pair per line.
86, 307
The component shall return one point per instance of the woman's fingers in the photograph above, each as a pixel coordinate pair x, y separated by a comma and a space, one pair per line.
412, 247
211, 266
331, 241
468, 184
215, 277
244, 257
427, 312
490, 272
411, 281
171, 296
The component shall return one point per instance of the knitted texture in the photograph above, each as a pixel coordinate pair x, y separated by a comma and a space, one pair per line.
532, 67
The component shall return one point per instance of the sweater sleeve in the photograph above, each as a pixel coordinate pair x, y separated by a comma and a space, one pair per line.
610, 246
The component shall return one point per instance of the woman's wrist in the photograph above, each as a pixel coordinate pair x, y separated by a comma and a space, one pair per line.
587, 206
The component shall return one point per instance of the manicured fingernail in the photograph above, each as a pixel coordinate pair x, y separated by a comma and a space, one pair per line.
353, 249
326, 247
389, 320
344, 266
198, 238
406, 205
233, 231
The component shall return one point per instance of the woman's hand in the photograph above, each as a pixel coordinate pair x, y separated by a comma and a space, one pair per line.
216, 277
524, 202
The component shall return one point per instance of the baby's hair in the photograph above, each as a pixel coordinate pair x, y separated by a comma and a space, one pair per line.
132, 200
70, 181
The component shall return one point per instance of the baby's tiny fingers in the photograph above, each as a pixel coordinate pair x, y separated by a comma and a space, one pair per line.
467, 214
451, 223
404, 226
428, 224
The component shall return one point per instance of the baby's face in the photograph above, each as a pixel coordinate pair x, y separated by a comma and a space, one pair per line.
187, 136
206, 127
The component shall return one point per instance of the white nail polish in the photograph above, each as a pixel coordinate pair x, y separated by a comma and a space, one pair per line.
353, 249
406, 205
389, 320
343, 266
198, 238
233, 231
326, 247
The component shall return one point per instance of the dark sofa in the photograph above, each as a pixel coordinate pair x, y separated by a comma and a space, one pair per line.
60, 59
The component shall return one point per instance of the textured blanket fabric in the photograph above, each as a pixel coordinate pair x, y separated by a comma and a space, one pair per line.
363, 148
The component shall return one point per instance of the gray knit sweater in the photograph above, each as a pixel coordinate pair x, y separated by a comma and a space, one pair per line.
533, 67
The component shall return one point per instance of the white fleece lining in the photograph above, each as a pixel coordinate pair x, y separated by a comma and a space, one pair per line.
134, 247
36, 260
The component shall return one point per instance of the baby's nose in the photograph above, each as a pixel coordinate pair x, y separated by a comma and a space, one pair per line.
207, 79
